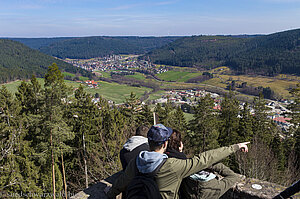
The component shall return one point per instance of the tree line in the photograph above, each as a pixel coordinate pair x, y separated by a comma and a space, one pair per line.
90, 47
265, 54
17, 61
52, 141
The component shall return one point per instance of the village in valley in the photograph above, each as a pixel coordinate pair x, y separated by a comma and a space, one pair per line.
186, 99
115, 63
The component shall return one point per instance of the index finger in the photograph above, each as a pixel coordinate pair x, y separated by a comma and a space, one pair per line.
246, 143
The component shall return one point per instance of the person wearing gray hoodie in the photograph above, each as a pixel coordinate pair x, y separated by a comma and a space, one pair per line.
134, 145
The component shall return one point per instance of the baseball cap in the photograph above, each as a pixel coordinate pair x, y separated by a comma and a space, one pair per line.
159, 133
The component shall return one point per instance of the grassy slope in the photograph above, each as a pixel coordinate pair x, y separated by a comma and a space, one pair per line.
73, 75
138, 76
279, 86
117, 92
110, 91
178, 76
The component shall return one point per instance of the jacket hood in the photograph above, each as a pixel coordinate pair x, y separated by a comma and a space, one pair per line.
134, 142
147, 161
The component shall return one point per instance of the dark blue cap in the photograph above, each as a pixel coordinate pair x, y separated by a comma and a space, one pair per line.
159, 133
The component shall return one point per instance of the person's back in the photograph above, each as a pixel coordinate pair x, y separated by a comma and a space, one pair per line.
134, 146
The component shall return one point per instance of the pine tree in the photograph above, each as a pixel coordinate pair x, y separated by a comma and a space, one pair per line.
82, 114
264, 128
30, 96
245, 124
179, 121
253, 164
160, 113
203, 133
295, 130
229, 120
131, 110
146, 116
18, 171
54, 130
168, 119
277, 149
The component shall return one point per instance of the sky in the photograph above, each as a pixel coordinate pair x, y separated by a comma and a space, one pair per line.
65, 18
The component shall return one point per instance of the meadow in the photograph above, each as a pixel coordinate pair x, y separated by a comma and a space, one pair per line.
110, 91
281, 87
177, 76
117, 92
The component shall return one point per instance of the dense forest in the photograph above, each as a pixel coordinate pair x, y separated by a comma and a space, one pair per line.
267, 54
53, 142
18, 61
97, 46
37, 43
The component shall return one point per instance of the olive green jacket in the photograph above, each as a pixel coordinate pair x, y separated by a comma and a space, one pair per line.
170, 175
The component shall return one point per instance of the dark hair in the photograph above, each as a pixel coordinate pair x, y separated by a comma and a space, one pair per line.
174, 140
155, 146
142, 131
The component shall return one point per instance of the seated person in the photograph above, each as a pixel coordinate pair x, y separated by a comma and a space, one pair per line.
134, 146
204, 184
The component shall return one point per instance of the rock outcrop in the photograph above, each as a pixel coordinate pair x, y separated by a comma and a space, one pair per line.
247, 188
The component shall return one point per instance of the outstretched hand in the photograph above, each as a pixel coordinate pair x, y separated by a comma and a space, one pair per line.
243, 146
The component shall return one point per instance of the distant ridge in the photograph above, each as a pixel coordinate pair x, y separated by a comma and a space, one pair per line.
265, 54
96, 46
18, 61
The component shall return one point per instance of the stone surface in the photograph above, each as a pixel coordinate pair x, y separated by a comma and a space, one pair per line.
243, 190
96, 191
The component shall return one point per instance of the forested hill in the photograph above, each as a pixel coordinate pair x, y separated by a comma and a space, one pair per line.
267, 54
89, 47
37, 43
18, 61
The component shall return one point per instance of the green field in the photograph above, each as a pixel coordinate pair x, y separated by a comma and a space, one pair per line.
156, 95
12, 86
111, 91
177, 76
105, 74
81, 78
138, 76
281, 87
117, 92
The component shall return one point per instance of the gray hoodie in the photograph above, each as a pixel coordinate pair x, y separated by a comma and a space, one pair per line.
134, 142
147, 161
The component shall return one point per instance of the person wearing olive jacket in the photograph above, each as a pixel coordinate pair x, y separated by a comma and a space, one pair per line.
172, 172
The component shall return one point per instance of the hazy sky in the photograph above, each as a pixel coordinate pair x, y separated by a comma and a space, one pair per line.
53, 18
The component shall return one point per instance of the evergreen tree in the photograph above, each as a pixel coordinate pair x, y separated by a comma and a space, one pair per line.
229, 120
179, 121
160, 113
277, 149
295, 130
253, 164
54, 130
245, 124
18, 171
168, 119
114, 130
131, 110
30, 96
82, 114
265, 129
146, 116
203, 133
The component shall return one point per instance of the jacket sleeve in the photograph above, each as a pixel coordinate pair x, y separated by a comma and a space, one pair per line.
203, 160
123, 180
